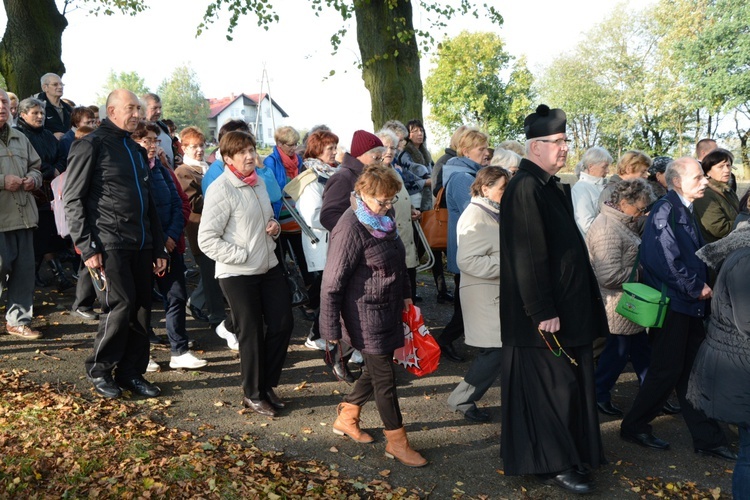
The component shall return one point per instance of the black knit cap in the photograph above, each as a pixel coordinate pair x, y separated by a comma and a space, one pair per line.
659, 165
544, 122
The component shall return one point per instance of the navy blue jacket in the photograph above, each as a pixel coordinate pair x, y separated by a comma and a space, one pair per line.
168, 202
670, 239
458, 176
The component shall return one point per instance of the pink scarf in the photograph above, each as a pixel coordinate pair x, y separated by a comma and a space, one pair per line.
250, 180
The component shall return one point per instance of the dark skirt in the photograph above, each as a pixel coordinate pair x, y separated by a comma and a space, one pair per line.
549, 417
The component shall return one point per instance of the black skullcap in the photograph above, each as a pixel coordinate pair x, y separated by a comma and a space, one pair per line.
659, 165
544, 122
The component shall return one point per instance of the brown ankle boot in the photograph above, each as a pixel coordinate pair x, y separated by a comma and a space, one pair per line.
348, 423
398, 447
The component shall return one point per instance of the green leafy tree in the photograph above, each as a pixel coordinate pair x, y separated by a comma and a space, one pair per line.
32, 42
183, 101
717, 62
130, 80
467, 86
389, 44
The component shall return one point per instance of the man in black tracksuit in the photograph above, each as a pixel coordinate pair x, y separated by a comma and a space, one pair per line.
115, 226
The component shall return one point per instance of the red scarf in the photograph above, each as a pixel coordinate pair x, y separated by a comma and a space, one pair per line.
250, 180
291, 164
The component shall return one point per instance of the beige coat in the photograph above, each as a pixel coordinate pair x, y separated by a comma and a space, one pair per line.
478, 258
405, 228
233, 227
18, 158
613, 244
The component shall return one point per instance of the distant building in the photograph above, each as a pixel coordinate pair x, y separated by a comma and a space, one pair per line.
247, 107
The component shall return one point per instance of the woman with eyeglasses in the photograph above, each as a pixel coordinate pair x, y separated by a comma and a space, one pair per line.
172, 283
613, 241
206, 302
458, 176
286, 164
365, 288
720, 206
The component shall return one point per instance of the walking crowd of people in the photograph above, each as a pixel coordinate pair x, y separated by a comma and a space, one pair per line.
539, 268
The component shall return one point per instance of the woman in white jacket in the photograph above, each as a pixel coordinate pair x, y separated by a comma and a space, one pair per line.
592, 169
238, 231
478, 258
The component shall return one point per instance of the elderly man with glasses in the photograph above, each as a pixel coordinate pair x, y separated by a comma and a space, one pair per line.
57, 113
550, 313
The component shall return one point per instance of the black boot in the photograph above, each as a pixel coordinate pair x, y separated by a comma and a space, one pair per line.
443, 295
63, 283
338, 364
38, 280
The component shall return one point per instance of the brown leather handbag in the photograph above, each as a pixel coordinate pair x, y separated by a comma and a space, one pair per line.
435, 224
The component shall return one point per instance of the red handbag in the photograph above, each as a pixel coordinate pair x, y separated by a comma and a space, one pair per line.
421, 352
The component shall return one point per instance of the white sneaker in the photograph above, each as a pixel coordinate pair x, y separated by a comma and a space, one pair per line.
357, 358
230, 337
318, 345
187, 361
152, 366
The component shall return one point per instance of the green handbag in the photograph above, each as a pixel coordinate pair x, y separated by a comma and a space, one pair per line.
642, 304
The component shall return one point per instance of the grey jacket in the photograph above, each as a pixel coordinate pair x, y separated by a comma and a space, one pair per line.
20, 159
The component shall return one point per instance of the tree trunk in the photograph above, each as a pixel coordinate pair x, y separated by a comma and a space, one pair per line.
390, 60
31, 45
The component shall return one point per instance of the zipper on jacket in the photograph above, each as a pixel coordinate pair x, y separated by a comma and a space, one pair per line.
137, 185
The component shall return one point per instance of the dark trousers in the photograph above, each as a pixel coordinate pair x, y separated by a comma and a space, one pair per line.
85, 292
618, 350
673, 351
255, 300
455, 327
482, 373
172, 287
121, 340
208, 294
378, 379
412, 272
294, 240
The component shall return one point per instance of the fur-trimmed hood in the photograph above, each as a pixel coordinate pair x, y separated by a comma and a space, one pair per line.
715, 253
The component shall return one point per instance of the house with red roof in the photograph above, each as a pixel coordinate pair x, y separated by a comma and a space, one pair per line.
260, 111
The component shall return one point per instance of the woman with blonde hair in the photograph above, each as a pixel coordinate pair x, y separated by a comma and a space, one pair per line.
365, 288
632, 164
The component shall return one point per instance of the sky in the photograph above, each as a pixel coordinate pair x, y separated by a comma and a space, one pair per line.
296, 52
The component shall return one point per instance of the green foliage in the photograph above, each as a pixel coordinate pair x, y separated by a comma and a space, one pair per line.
183, 101
467, 86
124, 80
621, 88
106, 7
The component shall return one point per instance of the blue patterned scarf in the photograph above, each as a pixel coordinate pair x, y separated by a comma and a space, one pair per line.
380, 226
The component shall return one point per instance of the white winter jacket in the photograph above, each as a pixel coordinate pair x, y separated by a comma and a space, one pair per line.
585, 195
232, 230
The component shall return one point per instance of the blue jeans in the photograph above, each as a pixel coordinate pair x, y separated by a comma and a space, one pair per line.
618, 350
741, 476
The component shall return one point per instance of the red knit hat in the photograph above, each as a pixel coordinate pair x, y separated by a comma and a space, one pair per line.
364, 141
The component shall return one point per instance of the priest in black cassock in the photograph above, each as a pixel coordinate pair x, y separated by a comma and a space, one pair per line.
550, 312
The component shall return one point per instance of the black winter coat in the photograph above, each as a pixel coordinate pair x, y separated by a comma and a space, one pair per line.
108, 201
364, 287
47, 147
720, 379
544, 264
52, 121
338, 190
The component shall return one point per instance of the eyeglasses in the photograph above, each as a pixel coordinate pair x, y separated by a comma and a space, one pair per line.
557, 142
640, 210
387, 203
150, 142
376, 158
293, 145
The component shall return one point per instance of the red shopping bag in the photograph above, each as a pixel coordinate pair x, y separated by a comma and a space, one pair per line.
421, 352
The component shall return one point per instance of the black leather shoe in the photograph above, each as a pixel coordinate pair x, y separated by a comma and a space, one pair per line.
141, 386
154, 339
671, 409
106, 387
569, 480
86, 314
444, 297
275, 400
339, 366
609, 409
718, 452
450, 352
645, 439
262, 407
477, 415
